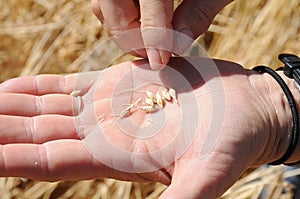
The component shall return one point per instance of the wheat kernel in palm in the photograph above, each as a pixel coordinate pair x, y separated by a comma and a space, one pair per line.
159, 100
151, 96
149, 109
166, 95
173, 94
75, 93
149, 101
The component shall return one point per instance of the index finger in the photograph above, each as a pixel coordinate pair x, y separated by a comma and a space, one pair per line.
48, 84
156, 20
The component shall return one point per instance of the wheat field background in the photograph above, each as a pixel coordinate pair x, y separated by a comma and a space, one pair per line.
48, 36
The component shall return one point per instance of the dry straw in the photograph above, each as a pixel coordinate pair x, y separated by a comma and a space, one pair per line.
47, 36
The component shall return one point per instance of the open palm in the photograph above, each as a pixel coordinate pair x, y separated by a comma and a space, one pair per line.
199, 145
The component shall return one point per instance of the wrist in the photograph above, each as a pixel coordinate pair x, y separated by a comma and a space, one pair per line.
280, 111
295, 156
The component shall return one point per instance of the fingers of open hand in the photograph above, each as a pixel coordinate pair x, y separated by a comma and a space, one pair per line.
50, 161
49, 84
29, 105
38, 85
37, 119
38, 109
55, 161
192, 18
37, 129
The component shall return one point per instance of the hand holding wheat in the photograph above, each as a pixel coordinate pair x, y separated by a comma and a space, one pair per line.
48, 134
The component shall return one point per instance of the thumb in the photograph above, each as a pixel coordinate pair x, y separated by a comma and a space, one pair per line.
206, 178
156, 28
192, 18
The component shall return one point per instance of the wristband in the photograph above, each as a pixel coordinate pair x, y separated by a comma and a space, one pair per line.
291, 69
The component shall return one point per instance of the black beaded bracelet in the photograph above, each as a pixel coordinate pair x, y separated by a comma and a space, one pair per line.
295, 130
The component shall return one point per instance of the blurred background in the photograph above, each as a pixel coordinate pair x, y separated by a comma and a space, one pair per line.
48, 36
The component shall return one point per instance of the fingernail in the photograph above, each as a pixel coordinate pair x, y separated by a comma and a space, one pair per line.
154, 59
165, 56
141, 53
183, 40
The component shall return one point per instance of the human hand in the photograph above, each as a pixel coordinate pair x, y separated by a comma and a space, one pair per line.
225, 122
144, 28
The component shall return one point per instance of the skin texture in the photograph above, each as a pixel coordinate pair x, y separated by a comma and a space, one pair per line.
42, 128
152, 18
